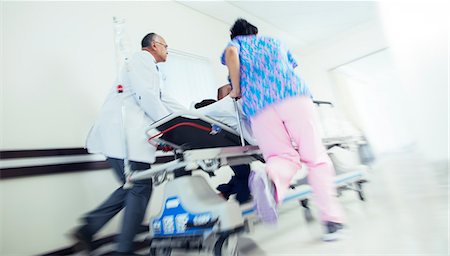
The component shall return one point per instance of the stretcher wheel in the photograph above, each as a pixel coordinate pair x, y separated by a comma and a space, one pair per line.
160, 251
226, 245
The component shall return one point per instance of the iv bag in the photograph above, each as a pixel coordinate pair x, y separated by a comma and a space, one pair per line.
120, 42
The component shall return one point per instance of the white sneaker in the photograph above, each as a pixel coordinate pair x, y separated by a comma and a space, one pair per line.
263, 196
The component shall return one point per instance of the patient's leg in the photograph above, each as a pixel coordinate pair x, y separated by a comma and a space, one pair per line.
238, 184
240, 181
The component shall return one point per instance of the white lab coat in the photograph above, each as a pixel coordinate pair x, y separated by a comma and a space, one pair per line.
120, 130
224, 111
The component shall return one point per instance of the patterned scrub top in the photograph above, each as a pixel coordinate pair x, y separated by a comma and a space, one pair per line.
267, 72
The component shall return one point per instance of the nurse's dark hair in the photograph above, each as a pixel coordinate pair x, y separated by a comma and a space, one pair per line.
147, 40
242, 27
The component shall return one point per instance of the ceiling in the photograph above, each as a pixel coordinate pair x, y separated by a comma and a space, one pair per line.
300, 23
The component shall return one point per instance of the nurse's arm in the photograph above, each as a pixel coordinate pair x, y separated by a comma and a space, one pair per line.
233, 65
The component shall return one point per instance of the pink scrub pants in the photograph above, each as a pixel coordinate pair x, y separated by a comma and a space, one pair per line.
295, 120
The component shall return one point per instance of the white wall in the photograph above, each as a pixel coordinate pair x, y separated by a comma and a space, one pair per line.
369, 89
317, 61
58, 61
418, 33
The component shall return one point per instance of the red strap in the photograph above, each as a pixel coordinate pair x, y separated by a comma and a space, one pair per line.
201, 127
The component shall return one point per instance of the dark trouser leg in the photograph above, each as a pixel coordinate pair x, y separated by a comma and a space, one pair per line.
98, 217
136, 202
241, 188
238, 184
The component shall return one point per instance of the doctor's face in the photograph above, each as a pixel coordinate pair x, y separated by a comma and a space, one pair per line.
160, 47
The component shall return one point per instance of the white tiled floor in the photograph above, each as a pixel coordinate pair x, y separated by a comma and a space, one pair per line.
406, 213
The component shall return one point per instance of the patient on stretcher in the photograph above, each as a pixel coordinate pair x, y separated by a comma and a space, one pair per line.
193, 132
196, 134
224, 111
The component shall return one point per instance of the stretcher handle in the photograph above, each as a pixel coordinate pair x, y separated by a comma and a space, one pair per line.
146, 174
241, 133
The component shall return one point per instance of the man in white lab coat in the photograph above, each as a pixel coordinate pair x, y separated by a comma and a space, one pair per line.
132, 105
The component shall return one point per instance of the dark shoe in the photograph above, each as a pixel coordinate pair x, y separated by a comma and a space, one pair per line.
242, 190
332, 231
243, 199
84, 241
224, 190
236, 186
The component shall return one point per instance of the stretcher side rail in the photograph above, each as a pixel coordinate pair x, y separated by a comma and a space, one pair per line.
190, 113
193, 158
190, 160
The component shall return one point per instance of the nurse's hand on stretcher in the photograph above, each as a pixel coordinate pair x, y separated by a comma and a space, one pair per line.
235, 93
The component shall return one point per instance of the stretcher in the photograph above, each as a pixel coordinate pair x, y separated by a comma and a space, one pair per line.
193, 215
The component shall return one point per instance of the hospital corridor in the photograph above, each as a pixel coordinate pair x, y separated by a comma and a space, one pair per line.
224, 128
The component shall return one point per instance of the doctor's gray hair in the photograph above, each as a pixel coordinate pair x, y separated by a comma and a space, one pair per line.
147, 40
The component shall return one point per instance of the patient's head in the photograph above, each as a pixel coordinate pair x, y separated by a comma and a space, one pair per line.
223, 91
